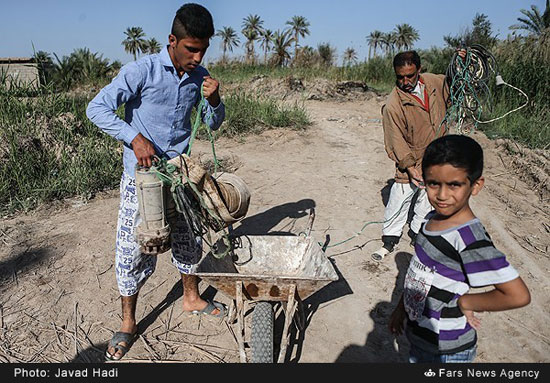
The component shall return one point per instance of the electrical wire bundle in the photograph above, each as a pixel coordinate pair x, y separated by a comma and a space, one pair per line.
468, 79
191, 205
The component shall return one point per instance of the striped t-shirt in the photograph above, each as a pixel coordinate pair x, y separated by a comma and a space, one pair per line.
445, 265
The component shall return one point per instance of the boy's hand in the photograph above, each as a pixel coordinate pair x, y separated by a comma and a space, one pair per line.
474, 321
210, 91
143, 149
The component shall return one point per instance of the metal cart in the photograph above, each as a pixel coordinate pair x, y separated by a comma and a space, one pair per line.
261, 270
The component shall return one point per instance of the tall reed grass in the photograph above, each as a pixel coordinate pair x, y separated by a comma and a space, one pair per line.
524, 63
50, 150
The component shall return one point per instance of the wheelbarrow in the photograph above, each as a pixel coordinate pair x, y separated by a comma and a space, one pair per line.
261, 270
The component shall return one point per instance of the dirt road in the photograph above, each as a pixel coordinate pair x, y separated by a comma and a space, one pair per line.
59, 301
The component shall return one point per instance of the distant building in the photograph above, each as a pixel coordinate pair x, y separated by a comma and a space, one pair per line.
21, 71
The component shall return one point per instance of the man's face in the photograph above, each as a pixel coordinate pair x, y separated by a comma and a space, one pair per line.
187, 53
407, 77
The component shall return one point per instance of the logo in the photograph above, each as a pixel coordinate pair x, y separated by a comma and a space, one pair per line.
429, 373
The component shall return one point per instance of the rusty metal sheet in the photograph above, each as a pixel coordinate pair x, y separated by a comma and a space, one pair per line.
268, 265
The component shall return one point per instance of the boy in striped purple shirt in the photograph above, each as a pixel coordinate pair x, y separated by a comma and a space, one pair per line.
453, 253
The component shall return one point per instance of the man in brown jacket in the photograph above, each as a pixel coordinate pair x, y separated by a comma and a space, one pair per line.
412, 118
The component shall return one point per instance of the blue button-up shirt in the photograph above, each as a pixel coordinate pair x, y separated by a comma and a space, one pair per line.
158, 105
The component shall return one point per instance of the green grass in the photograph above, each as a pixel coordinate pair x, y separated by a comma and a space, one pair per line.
529, 126
51, 151
248, 115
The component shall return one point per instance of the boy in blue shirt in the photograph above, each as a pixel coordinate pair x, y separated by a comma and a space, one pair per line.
159, 92
453, 253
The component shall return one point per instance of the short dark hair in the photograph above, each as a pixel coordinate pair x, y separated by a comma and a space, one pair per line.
406, 58
458, 150
193, 20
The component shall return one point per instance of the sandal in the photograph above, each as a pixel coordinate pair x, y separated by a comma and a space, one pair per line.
119, 337
210, 307
379, 254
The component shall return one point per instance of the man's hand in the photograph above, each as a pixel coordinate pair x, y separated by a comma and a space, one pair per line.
210, 91
143, 149
415, 177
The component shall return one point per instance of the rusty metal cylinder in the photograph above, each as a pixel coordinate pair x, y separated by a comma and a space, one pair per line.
153, 232
150, 198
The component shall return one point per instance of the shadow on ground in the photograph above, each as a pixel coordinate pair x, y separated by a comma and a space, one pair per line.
262, 223
380, 345
96, 353
306, 311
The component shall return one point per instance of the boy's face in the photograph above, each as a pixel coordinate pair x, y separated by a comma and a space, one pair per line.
187, 53
449, 190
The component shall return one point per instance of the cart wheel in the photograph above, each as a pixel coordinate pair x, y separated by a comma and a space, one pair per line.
261, 341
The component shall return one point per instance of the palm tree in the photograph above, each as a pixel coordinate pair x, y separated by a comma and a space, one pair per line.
251, 29
327, 54
350, 56
267, 37
64, 72
45, 66
374, 40
388, 41
282, 40
299, 27
253, 22
87, 66
229, 40
405, 36
534, 22
306, 57
152, 46
134, 42
251, 36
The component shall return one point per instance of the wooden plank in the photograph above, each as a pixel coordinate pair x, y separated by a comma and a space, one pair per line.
289, 314
240, 320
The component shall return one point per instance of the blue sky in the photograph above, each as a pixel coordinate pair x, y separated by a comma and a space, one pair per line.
60, 26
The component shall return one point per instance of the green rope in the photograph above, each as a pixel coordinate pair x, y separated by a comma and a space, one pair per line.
169, 175
197, 125
468, 78
406, 200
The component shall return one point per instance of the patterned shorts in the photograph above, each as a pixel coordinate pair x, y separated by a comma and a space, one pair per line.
133, 268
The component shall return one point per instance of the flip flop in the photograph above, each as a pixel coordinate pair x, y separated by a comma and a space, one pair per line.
115, 341
379, 254
210, 307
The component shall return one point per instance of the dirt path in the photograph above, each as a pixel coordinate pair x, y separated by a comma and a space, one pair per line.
58, 296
